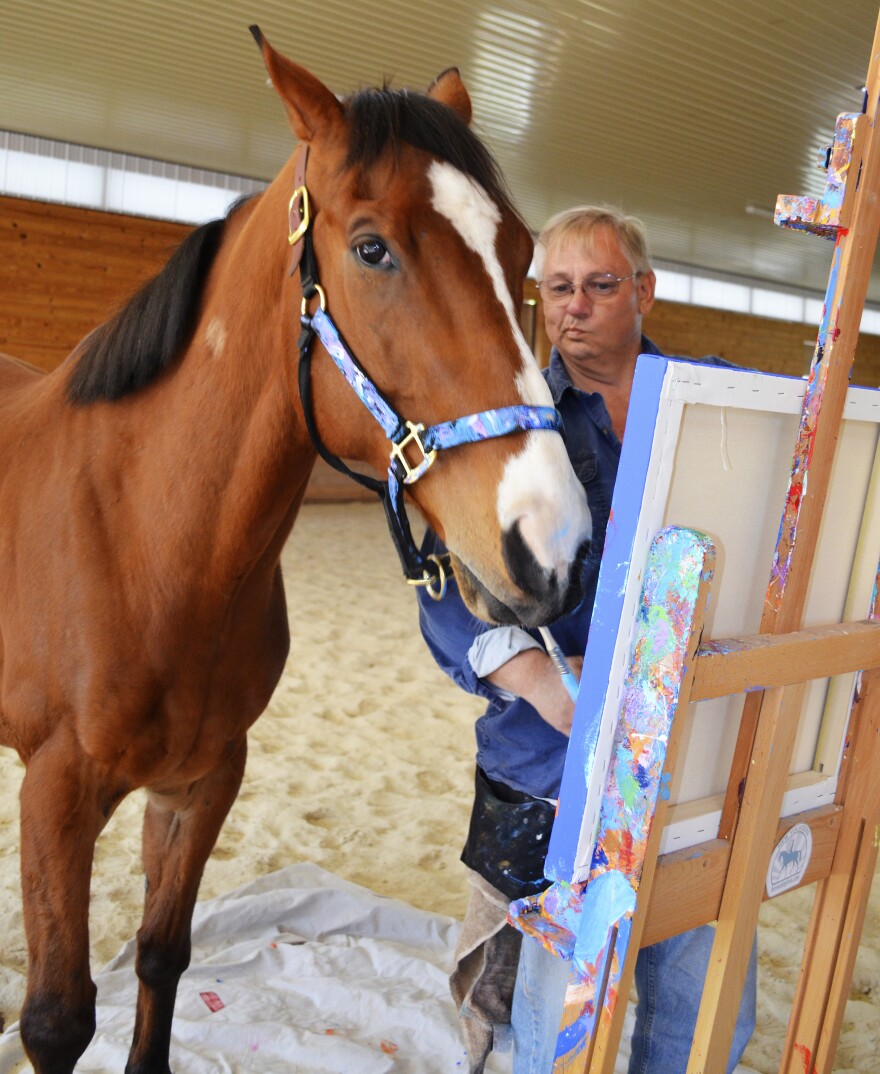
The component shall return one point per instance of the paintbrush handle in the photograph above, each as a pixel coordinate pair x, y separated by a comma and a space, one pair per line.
560, 663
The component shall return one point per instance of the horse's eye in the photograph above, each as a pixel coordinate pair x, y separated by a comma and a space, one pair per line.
373, 252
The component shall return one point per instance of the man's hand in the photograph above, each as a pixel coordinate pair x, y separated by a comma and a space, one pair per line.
532, 676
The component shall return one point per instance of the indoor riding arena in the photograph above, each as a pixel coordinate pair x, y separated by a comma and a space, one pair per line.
238, 264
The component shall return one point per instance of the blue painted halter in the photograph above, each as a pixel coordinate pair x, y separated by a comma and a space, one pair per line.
414, 447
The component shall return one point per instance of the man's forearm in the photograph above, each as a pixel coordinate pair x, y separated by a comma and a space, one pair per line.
532, 676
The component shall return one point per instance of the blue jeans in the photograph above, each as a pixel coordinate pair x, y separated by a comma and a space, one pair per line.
669, 982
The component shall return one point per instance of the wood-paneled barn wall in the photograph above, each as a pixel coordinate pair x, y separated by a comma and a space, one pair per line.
64, 269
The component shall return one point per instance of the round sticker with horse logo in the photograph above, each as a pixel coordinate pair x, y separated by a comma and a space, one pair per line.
789, 860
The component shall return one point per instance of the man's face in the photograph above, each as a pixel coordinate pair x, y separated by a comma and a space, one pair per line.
583, 327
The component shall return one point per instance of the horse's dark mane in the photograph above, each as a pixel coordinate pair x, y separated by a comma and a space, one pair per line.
381, 119
145, 336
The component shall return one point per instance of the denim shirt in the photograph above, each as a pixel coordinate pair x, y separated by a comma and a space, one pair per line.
514, 744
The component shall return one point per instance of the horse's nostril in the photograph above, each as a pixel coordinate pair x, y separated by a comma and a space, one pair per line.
524, 568
576, 576
585, 549
553, 595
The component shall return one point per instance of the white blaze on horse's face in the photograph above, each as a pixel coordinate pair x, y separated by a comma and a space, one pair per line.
538, 489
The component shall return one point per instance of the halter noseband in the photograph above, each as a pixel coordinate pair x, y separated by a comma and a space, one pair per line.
404, 436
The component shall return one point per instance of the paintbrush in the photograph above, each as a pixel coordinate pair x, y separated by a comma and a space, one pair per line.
560, 663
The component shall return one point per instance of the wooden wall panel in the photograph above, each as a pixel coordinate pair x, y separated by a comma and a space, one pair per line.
758, 342
63, 270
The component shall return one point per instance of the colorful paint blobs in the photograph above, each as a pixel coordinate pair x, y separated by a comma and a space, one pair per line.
809, 424
824, 216
679, 563
621, 850
212, 1001
591, 924
551, 918
389, 1047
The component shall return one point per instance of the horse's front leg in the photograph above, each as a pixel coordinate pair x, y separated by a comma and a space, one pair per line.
61, 817
179, 834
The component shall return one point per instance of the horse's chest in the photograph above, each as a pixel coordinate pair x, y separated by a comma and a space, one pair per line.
174, 738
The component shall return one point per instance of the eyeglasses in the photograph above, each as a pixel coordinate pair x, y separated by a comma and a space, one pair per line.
600, 285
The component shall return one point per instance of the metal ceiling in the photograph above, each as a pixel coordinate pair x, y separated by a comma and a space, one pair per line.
683, 112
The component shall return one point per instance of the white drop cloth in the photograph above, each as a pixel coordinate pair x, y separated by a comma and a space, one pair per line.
315, 976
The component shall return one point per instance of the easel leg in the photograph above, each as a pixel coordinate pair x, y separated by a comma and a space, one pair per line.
841, 899
738, 917
594, 989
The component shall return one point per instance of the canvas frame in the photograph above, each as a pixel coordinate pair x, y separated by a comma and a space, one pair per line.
693, 427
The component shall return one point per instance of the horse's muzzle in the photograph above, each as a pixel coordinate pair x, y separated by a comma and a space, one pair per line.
540, 596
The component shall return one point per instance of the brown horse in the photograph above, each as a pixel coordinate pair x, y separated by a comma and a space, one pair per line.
147, 487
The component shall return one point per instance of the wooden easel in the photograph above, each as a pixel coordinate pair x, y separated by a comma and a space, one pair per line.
724, 879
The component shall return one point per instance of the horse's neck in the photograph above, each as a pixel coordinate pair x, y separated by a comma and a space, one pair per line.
231, 455
238, 376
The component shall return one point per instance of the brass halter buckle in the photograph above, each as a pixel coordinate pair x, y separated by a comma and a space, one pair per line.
301, 194
434, 587
412, 473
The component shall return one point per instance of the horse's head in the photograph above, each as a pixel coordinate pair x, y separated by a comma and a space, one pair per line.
421, 257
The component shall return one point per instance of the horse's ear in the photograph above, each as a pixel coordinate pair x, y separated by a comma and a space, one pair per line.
448, 88
311, 107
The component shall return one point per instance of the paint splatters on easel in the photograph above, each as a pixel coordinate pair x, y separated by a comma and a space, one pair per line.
807, 1057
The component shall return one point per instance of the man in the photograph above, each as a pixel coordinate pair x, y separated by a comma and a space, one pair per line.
597, 284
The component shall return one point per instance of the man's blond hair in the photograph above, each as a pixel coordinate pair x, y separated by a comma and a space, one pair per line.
579, 224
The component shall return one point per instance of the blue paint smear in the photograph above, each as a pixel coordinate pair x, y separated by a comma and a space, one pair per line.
643, 777
600, 858
607, 900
